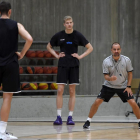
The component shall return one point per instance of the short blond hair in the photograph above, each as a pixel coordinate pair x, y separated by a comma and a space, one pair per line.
66, 18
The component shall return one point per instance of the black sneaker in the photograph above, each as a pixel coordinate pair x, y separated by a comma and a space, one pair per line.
86, 125
139, 125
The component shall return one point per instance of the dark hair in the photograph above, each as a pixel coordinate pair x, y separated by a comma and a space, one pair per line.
5, 7
115, 43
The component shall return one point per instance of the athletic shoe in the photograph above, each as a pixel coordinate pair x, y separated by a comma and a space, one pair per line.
58, 121
7, 136
3, 136
86, 125
139, 125
70, 121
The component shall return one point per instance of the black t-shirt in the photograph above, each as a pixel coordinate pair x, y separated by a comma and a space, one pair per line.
8, 41
69, 44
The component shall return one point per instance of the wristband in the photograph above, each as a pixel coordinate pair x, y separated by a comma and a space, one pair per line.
129, 86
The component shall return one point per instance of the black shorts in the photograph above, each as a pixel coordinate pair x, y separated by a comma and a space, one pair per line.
68, 75
107, 93
9, 78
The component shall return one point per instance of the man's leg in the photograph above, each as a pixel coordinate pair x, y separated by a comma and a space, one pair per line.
94, 107
59, 99
5, 110
92, 112
72, 97
71, 104
4, 115
59, 103
136, 109
105, 95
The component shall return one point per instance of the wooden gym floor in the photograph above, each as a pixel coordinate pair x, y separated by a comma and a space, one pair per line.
98, 131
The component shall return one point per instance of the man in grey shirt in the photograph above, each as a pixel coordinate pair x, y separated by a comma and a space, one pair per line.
117, 70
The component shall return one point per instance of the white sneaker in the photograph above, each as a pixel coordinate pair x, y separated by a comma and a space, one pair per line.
7, 136
3, 136
11, 136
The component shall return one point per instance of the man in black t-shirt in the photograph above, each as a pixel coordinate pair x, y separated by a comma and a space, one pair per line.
9, 67
68, 65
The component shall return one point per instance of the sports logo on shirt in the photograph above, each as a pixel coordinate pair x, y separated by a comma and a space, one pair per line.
69, 42
62, 39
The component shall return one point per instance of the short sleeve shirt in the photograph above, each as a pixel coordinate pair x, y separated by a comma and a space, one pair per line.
68, 44
119, 69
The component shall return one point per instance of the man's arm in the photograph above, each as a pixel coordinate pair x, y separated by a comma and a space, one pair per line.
88, 51
27, 37
49, 48
108, 78
130, 76
129, 91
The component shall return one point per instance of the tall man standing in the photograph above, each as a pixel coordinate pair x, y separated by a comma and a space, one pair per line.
117, 70
68, 65
9, 67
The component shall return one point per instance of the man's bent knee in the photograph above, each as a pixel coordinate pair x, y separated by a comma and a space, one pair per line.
132, 102
98, 102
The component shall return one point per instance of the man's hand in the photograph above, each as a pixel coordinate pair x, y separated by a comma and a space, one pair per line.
62, 54
129, 91
113, 78
76, 55
20, 56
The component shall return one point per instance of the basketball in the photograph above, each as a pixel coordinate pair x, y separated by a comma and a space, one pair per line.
56, 53
25, 86
43, 86
33, 86
38, 70
39, 54
54, 86
54, 70
47, 70
47, 54
30, 70
20, 70
30, 53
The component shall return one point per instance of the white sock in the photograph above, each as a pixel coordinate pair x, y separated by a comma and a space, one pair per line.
3, 126
89, 119
59, 112
138, 120
70, 113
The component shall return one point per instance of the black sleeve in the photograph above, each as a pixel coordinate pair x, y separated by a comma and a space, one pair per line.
54, 40
82, 40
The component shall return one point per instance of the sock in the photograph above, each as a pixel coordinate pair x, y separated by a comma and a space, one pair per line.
70, 113
89, 119
138, 120
59, 112
3, 126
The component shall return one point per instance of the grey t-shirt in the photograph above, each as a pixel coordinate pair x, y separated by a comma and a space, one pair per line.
119, 69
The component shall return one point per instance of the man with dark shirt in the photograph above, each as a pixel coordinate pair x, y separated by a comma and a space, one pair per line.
9, 67
68, 65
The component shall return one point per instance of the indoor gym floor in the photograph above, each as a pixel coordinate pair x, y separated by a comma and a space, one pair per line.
124, 128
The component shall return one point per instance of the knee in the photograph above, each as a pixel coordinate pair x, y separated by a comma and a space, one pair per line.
132, 103
60, 92
72, 92
97, 102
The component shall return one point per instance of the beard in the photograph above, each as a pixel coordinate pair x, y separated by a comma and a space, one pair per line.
116, 54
